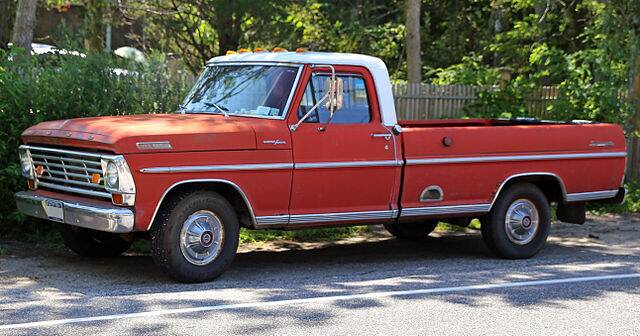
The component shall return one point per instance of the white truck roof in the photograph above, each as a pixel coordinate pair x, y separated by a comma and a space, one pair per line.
375, 65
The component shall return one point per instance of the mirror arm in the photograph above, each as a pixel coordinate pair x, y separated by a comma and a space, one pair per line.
295, 127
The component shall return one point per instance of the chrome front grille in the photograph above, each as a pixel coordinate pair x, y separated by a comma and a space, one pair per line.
69, 171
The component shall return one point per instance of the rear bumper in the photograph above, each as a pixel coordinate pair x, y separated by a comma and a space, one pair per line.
87, 215
617, 199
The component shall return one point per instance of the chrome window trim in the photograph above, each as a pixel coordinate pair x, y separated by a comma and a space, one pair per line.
347, 164
216, 168
234, 185
501, 158
445, 210
591, 195
285, 110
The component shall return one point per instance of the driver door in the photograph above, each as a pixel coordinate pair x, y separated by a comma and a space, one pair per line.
346, 168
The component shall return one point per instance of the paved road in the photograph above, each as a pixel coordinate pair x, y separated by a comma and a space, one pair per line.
587, 281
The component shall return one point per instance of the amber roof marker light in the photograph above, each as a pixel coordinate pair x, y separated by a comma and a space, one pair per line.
279, 49
231, 52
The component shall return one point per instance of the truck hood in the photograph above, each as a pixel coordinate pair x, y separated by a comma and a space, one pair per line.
123, 134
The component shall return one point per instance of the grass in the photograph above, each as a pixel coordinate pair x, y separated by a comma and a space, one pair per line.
4, 251
306, 235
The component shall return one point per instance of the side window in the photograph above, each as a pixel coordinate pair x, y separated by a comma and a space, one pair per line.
355, 103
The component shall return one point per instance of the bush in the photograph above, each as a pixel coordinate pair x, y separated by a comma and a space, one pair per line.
33, 90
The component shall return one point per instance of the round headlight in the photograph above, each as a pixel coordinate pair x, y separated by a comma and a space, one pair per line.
111, 176
26, 168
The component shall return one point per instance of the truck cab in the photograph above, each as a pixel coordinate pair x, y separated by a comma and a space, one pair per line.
292, 140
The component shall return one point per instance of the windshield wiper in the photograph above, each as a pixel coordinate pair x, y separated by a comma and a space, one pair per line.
224, 110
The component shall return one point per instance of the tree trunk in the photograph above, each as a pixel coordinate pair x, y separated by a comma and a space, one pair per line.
94, 24
414, 61
6, 26
24, 24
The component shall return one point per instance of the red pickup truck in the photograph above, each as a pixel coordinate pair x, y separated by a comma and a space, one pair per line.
293, 140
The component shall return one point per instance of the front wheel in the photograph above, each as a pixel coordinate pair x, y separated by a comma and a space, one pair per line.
196, 237
518, 225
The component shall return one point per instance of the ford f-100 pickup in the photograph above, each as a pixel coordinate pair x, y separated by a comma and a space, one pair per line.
291, 140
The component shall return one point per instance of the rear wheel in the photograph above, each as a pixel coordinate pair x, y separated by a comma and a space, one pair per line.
196, 237
519, 223
92, 243
416, 231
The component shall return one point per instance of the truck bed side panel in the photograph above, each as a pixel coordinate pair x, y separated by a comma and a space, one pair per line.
586, 158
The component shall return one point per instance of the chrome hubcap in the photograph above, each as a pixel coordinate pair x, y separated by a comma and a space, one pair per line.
201, 237
521, 221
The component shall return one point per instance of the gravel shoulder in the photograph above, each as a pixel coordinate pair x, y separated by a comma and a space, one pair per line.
38, 284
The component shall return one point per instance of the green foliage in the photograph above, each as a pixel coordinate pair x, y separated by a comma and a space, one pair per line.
33, 90
471, 71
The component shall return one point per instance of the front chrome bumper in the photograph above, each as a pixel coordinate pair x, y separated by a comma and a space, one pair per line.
87, 215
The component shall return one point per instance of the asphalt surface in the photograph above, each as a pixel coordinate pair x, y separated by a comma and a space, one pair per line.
585, 282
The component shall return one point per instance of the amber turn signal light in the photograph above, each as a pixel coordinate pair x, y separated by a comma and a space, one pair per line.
31, 184
95, 178
117, 199
40, 170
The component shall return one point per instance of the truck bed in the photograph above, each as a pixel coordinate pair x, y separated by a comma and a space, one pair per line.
483, 154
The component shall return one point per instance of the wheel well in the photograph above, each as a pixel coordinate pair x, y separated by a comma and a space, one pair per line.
227, 190
550, 185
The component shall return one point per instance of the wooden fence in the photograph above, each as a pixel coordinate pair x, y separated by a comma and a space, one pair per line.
430, 101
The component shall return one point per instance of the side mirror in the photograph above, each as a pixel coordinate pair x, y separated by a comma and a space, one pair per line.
334, 87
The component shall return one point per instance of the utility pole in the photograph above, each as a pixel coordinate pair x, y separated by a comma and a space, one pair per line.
412, 39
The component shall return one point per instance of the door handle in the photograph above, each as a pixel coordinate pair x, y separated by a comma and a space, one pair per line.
386, 136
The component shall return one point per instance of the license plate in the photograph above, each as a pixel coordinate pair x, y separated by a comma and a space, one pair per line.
54, 210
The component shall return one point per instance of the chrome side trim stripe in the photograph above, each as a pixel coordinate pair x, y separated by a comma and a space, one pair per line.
271, 166
411, 162
264, 221
593, 195
216, 168
348, 164
342, 216
445, 210
281, 220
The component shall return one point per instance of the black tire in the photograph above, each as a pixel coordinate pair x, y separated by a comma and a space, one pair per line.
166, 233
416, 231
494, 229
92, 243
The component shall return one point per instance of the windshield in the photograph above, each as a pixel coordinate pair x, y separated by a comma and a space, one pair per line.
254, 90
